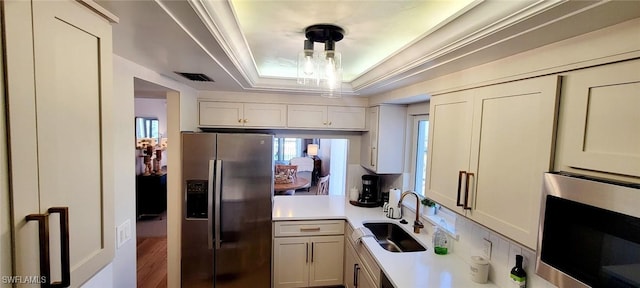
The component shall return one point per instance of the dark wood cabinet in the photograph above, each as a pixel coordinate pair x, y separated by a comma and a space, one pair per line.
151, 195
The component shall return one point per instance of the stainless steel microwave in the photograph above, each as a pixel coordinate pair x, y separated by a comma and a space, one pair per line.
589, 232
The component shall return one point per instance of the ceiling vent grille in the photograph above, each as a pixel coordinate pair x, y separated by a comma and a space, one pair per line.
195, 76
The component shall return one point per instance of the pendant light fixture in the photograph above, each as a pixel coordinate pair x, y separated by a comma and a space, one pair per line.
322, 70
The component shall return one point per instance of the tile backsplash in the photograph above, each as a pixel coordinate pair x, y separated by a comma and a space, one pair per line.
471, 243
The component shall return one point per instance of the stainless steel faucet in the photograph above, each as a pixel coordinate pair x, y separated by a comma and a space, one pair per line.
417, 225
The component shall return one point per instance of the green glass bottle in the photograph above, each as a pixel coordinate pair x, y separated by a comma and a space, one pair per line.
518, 275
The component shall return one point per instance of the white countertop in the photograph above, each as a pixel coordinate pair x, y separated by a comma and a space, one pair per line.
404, 270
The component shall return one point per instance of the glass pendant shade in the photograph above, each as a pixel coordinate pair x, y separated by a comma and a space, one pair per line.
331, 73
307, 68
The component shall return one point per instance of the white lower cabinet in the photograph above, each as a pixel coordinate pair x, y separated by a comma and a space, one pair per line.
307, 261
360, 270
354, 274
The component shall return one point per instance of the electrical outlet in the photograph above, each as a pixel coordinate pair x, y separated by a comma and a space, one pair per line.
123, 233
513, 251
486, 249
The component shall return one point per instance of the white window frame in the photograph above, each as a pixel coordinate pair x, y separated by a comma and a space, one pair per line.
414, 147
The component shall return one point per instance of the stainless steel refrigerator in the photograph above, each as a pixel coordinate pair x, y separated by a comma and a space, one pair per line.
227, 181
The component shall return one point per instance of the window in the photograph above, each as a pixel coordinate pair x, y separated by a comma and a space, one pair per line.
287, 148
421, 134
147, 128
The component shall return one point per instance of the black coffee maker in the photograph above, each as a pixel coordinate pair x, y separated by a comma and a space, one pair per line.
371, 195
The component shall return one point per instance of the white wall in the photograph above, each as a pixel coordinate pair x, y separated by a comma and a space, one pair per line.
122, 271
338, 167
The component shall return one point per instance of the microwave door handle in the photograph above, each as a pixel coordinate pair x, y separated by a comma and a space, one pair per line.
210, 181
466, 191
459, 188
218, 198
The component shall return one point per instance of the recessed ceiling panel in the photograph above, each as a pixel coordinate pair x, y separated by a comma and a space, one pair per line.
375, 30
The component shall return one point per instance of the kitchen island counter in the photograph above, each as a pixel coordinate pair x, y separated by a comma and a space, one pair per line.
404, 270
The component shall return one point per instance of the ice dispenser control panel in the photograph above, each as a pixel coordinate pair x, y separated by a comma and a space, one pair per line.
196, 199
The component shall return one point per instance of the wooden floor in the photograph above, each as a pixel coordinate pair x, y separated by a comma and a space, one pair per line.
152, 262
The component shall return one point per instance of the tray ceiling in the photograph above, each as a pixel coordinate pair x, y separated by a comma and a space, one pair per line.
252, 45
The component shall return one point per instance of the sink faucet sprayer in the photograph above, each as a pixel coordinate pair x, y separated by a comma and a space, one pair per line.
417, 225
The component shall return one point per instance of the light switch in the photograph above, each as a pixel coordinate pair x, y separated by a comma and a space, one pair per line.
123, 233
513, 251
486, 249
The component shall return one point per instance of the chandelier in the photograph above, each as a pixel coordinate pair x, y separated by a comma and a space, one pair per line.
321, 70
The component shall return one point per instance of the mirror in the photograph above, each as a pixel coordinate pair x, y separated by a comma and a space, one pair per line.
147, 128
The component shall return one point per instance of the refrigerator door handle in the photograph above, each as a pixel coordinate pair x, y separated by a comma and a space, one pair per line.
218, 198
210, 204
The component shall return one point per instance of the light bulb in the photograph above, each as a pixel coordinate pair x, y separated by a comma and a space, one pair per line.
330, 71
330, 68
308, 65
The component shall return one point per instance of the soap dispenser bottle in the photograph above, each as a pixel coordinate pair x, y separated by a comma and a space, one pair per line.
440, 241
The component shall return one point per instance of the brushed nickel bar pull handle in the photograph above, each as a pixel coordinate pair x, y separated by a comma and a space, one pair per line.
210, 201
43, 232
356, 270
64, 247
459, 188
373, 164
466, 192
307, 253
309, 229
216, 205
312, 252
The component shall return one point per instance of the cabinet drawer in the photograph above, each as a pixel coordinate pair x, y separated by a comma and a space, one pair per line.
307, 228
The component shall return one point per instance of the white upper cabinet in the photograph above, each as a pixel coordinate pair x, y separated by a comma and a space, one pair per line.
279, 116
326, 117
449, 147
599, 128
382, 146
229, 114
264, 115
488, 149
61, 122
351, 118
307, 116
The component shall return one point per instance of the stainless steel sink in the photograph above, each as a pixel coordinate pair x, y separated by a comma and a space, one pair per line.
393, 238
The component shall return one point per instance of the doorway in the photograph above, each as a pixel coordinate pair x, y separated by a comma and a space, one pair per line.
151, 183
